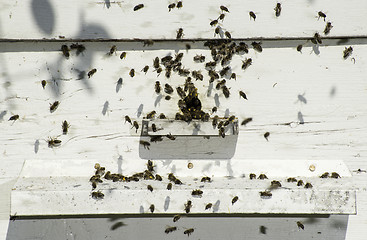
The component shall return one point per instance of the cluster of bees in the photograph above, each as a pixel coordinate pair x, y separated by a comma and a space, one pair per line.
150, 174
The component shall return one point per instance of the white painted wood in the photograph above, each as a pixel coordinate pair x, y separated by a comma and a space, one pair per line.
93, 19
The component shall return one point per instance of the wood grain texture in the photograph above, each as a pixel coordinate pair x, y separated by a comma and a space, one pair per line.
92, 19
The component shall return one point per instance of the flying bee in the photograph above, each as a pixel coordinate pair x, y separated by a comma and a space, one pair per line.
266, 135
328, 27
112, 50
299, 48
308, 185
199, 58
335, 175
275, 184
266, 194
14, 117
179, 33
53, 142
127, 119
43, 83
221, 16
246, 63
151, 114
123, 55
214, 22
176, 218
291, 179
228, 35
224, 9
321, 15
225, 91
145, 144
257, 46
188, 206
278, 9
139, 6
347, 52
262, 176
252, 15
150, 188
316, 39
136, 126
247, 120
97, 195
300, 183
221, 132
252, 176
132, 72
151, 208
179, 4
300, 225
157, 87
171, 6
235, 199
65, 51
170, 229
65, 127
145, 69
242, 94
233, 76
79, 48
54, 106
170, 137
197, 192
91, 72
169, 186
189, 231
206, 179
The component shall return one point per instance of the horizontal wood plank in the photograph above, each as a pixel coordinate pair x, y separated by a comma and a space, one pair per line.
91, 19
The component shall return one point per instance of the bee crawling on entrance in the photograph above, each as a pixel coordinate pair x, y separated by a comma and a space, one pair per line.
208, 206
151, 208
14, 117
266, 194
291, 179
169, 186
242, 94
151, 115
266, 135
278, 9
275, 184
328, 27
245, 121
257, 46
145, 69
91, 72
252, 15
112, 50
54, 106
321, 15
246, 63
123, 55
97, 195
179, 33
347, 52
127, 119
157, 87
171, 6
299, 48
136, 126
188, 206
224, 9
308, 185
197, 192
335, 175
65, 127
252, 176
169, 136
206, 179
262, 177
234, 200
53, 142
150, 188
43, 82
316, 39
139, 6
132, 72
79, 48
